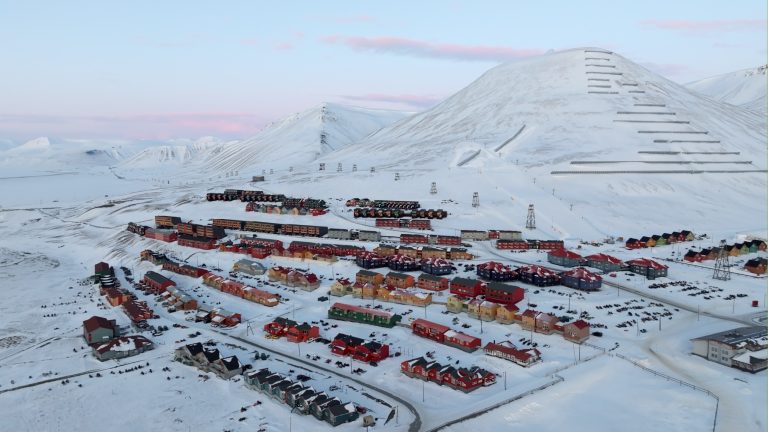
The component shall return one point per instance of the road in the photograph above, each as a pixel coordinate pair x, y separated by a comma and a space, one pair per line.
740, 320
415, 426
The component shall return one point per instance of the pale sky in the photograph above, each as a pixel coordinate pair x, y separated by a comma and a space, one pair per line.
166, 69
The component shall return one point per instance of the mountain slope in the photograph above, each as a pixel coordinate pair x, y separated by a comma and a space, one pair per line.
177, 152
303, 137
745, 88
586, 128
573, 106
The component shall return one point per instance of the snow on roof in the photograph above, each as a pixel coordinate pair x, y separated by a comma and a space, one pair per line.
96, 322
747, 356
580, 324
604, 257
359, 309
645, 262
583, 274
122, 344
564, 254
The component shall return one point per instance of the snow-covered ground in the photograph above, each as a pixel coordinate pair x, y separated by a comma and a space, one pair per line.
59, 218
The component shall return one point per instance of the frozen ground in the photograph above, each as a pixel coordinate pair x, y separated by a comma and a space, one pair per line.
63, 211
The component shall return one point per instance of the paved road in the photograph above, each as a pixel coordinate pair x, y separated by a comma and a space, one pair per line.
741, 320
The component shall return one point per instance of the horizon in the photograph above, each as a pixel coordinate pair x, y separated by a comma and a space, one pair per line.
128, 73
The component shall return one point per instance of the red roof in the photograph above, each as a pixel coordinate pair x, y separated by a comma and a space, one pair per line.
645, 262
604, 257
123, 343
495, 266
97, 322
583, 274
541, 271
565, 254
522, 355
580, 324
429, 324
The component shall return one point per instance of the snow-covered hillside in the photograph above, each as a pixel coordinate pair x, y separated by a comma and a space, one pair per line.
583, 127
178, 152
45, 154
303, 137
745, 88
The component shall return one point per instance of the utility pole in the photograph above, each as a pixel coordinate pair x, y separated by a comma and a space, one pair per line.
475, 199
397, 176
433, 189
530, 221
722, 266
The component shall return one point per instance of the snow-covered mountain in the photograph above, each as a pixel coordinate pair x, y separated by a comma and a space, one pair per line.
581, 104
303, 137
45, 154
745, 88
174, 153
583, 127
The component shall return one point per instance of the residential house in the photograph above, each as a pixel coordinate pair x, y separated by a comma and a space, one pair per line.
581, 279
648, 268
432, 282
564, 258
97, 329
508, 351
576, 331
121, 347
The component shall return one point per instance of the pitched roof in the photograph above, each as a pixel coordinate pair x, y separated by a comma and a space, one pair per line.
97, 322
580, 324
604, 257
582, 274
645, 262
564, 253
125, 343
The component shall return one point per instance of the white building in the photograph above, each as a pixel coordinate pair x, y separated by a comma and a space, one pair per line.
744, 348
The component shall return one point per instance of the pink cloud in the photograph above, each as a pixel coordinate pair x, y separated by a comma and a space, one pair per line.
249, 41
707, 26
284, 46
416, 48
416, 101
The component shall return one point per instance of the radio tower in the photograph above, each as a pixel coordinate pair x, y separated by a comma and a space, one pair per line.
475, 199
433, 189
338, 167
722, 267
530, 221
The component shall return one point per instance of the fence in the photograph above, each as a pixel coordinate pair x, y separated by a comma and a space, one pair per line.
679, 381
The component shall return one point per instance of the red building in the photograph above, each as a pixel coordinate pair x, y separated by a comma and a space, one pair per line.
467, 287
414, 238
512, 244
432, 283
429, 329
462, 341
197, 242
345, 345
184, 269
503, 294
551, 244
162, 235
101, 268
464, 379
388, 223
157, 282
137, 310
448, 240
371, 352
292, 330
422, 224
